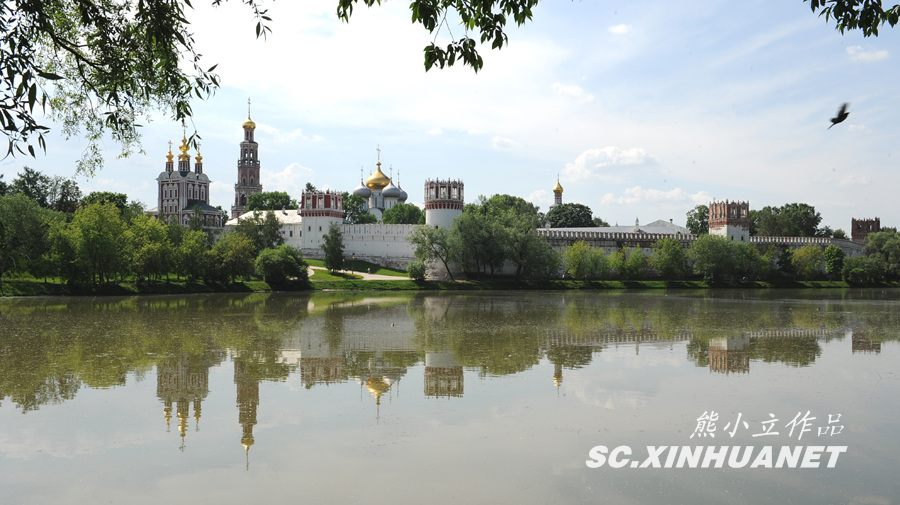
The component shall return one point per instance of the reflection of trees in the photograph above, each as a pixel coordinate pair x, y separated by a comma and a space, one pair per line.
53, 348
50, 348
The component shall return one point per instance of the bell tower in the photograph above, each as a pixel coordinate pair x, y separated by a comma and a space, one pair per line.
248, 168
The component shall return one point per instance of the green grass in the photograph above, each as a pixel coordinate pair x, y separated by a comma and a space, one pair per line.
35, 287
362, 266
325, 275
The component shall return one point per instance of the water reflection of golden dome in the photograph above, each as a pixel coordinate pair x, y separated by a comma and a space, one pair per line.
558, 188
377, 180
247, 442
377, 386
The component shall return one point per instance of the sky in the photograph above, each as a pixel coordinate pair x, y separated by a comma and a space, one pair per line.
642, 109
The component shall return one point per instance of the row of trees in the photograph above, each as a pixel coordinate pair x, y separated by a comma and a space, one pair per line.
102, 242
788, 220
717, 259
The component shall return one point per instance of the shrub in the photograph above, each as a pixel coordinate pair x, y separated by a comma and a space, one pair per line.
275, 265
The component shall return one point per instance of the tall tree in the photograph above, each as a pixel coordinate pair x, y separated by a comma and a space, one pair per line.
231, 257
23, 233
432, 244
263, 230
788, 220
120, 200
403, 213
151, 250
34, 185
97, 237
570, 215
669, 258
334, 248
698, 220
271, 200
356, 210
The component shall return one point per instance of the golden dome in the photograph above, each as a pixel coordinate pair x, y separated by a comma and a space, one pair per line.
199, 156
558, 188
169, 155
249, 124
377, 180
184, 149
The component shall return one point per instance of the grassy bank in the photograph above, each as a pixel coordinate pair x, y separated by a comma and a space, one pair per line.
37, 287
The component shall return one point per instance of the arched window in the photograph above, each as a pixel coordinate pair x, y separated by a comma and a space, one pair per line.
243, 200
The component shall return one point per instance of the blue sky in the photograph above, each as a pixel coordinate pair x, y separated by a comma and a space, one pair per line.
644, 109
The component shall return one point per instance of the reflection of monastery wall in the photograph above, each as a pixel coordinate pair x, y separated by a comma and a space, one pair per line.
729, 354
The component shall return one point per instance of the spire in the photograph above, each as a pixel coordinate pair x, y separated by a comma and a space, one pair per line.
249, 124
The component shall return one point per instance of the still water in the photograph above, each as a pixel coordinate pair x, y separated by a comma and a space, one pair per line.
442, 398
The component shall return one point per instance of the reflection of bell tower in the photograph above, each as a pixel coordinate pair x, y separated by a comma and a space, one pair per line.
557, 375
181, 380
247, 386
443, 375
729, 354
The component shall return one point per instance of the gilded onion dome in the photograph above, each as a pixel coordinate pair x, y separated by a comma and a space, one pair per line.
249, 124
558, 188
377, 180
184, 149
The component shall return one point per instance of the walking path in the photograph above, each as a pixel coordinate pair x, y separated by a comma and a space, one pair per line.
365, 276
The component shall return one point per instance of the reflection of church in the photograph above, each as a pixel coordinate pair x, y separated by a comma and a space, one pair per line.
181, 381
729, 354
443, 375
861, 343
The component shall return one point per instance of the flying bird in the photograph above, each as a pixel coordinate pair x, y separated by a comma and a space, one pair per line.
841, 115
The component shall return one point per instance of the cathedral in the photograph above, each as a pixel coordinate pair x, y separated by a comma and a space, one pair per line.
183, 195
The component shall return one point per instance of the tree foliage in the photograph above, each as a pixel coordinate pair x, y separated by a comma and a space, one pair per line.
356, 210
271, 200
262, 229
866, 16
834, 261
698, 220
96, 237
718, 259
669, 258
276, 265
432, 244
808, 261
570, 215
23, 233
334, 248
403, 213
788, 220
231, 257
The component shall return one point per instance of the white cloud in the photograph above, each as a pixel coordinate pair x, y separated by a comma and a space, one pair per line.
278, 136
639, 194
503, 143
621, 29
434, 131
593, 162
573, 91
540, 197
291, 178
857, 53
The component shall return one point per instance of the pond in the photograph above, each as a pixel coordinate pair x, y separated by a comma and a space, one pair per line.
496, 397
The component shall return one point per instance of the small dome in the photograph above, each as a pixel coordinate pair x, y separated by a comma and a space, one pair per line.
392, 191
403, 195
362, 191
249, 124
558, 188
377, 180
